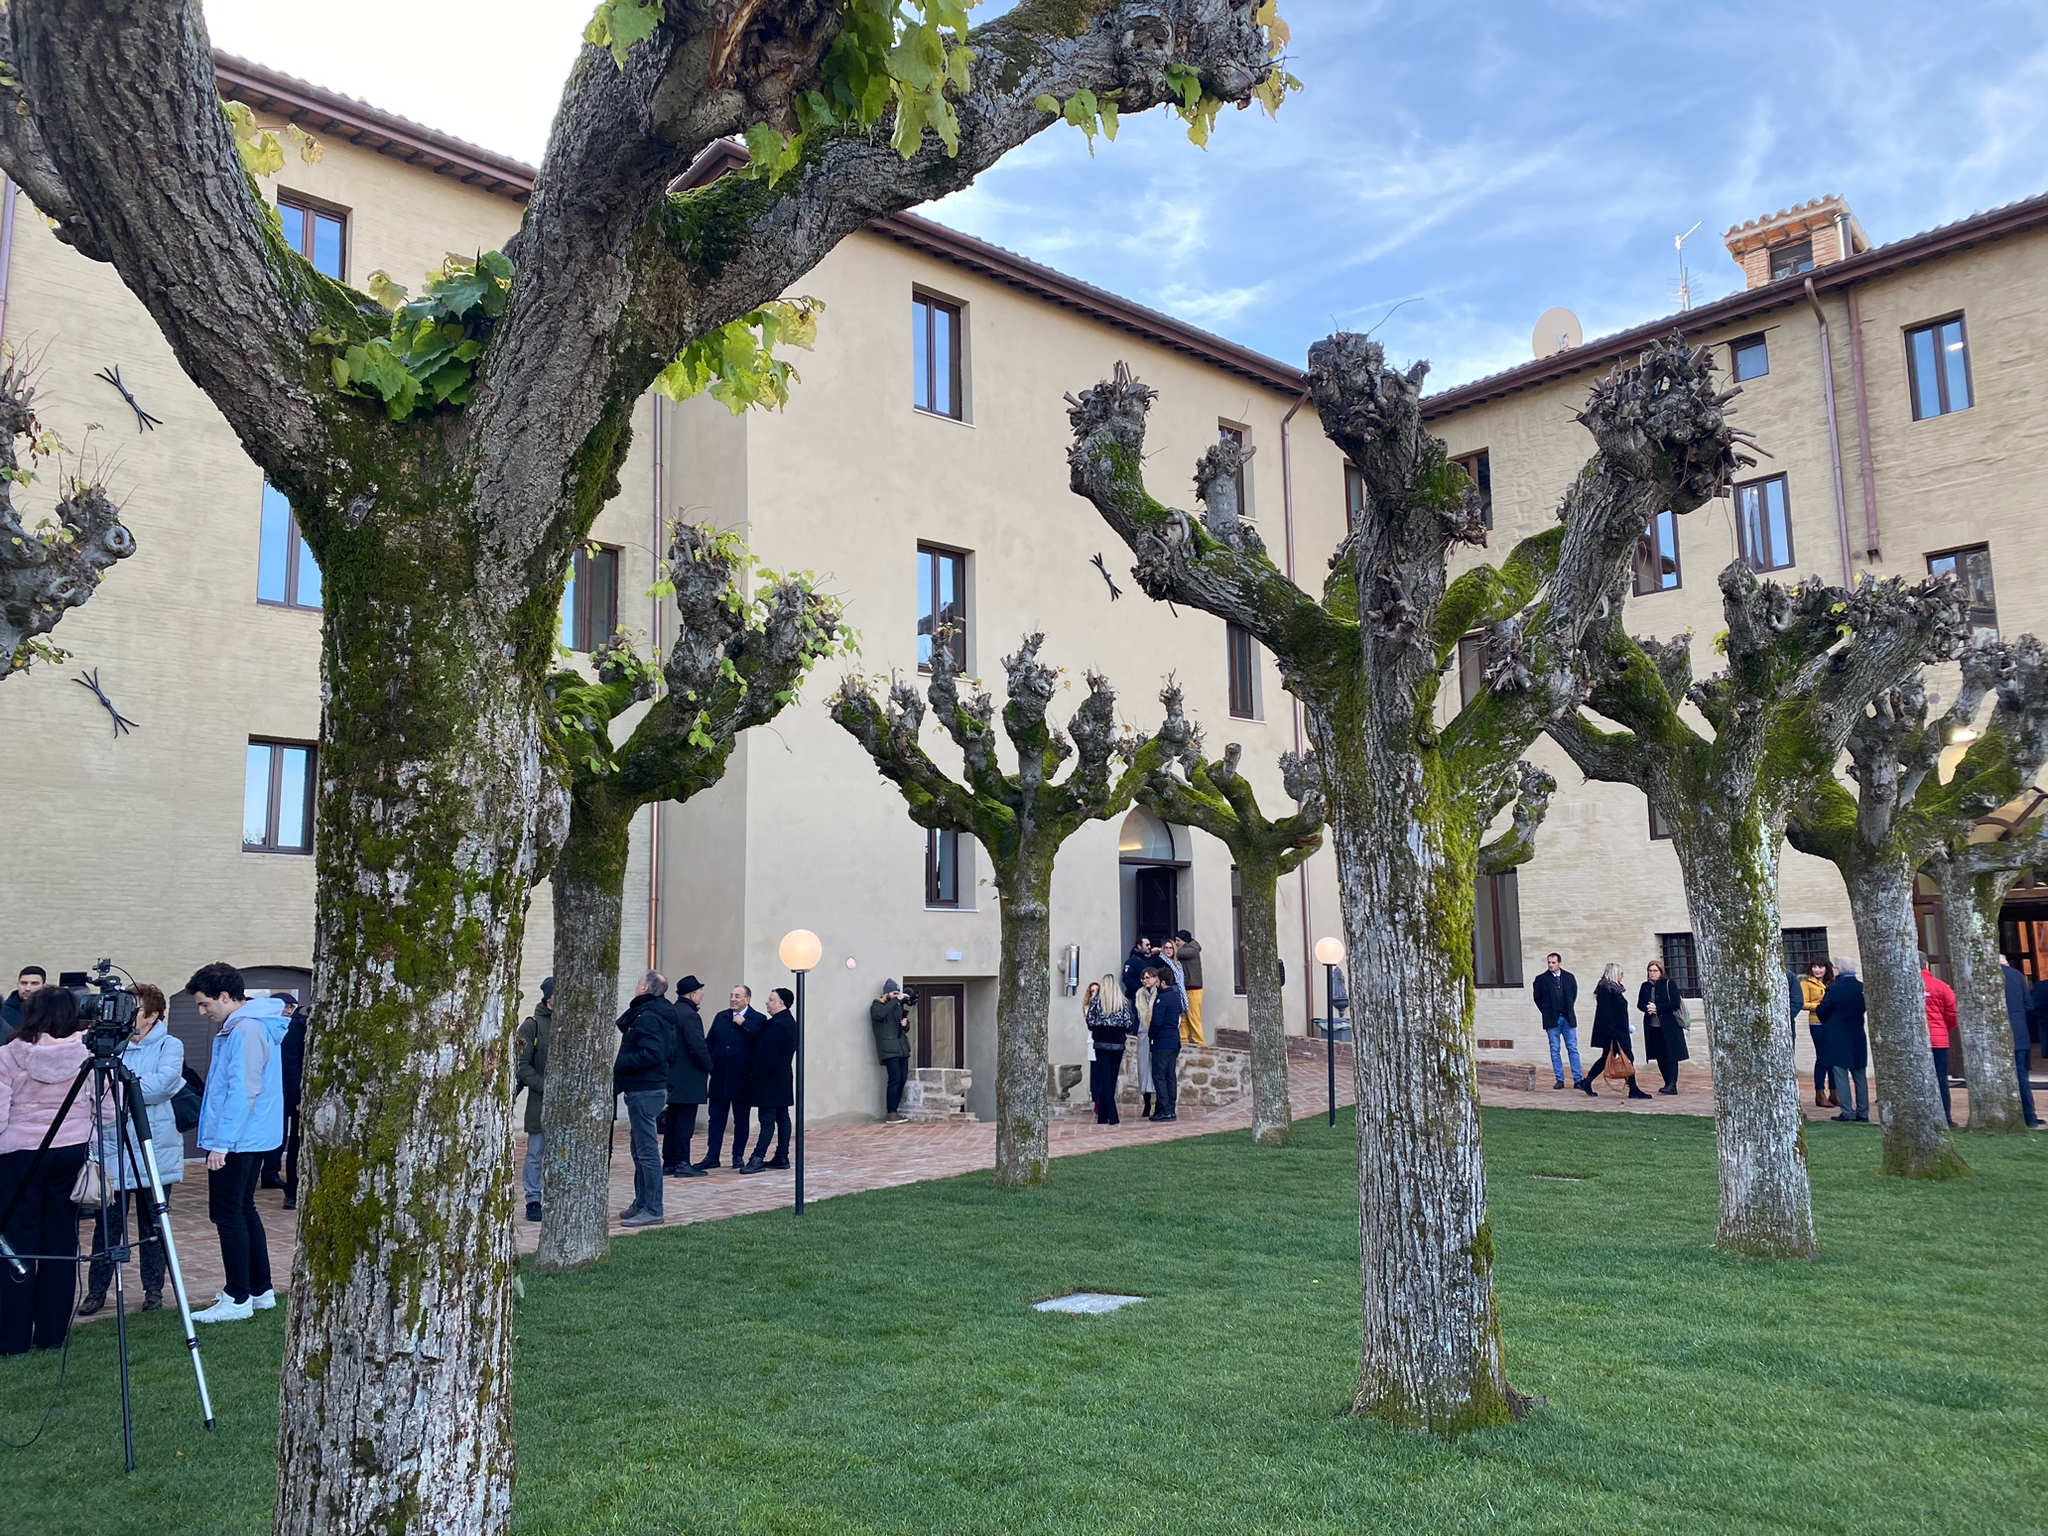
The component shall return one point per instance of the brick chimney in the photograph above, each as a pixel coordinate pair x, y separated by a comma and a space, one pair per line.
1796, 240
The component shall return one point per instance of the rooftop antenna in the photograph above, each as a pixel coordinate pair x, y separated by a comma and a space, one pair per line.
1685, 277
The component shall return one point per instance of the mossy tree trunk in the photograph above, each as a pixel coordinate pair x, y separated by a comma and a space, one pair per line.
1215, 798
1020, 819
1410, 795
1974, 879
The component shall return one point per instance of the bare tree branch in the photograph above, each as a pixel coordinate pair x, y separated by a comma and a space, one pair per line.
1530, 794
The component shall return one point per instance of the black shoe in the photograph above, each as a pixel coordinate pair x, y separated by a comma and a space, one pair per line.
777, 1162
1845, 1117
706, 1166
1586, 1085
1148, 1106
1162, 1118
751, 1165
691, 1171
1669, 1088
291, 1202
1560, 1083
94, 1300
267, 1182
1863, 1119
152, 1301
533, 1210
672, 1171
1636, 1093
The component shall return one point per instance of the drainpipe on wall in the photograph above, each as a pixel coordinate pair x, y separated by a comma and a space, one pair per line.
1308, 973
1827, 382
654, 642
1864, 460
6, 246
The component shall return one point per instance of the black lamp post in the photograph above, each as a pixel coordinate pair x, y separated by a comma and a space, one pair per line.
800, 951
1330, 955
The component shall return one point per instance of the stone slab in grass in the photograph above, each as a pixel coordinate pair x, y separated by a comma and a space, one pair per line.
1085, 1302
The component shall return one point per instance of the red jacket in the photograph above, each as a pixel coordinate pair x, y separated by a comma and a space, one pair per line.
1941, 1010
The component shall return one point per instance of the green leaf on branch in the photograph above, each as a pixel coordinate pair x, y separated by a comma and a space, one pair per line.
434, 341
736, 364
619, 24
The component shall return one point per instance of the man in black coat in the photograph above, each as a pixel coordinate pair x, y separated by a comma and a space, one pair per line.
1841, 1021
689, 1080
647, 1033
1557, 994
772, 1084
732, 1064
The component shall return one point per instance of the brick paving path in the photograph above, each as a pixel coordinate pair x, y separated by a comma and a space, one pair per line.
846, 1159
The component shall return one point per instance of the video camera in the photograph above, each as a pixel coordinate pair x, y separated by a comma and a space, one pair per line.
106, 1005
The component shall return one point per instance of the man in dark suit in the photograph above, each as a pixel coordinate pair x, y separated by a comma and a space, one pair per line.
689, 1081
1557, 994
771, 1082
732, 1065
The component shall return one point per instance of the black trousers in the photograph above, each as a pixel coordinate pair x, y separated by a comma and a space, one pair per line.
898, 1068
110, 1228
231, 1207
675, 1140
35, 1307
1103, 1068
281, 1163
773, 1117
721, 1109
1820, 1061
1941, 1081
1165, 1080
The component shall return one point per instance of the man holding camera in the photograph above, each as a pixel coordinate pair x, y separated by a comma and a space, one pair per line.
889, 1016
240, 1120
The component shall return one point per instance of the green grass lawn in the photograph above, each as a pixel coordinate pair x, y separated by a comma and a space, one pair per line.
874, 1367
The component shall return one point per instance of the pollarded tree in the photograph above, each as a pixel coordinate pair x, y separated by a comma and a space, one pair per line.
1215, 798
1409, 799
1020, 820
444, 462
736, 662
1901, 815
45, 571
1803, 667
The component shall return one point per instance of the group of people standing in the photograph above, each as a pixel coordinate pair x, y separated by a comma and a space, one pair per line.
668, 1065
1157, 1000
1658, 1000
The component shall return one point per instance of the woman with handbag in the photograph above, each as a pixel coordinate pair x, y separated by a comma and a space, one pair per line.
37, 1068
1611, 1036
1107, 1031
157, 1059
1663, 1011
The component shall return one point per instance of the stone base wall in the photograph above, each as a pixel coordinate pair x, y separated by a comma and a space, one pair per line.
937, 1093
1210, 1077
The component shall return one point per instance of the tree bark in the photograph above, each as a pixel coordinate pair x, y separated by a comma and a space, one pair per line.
576, 1107
1917, 1144
1730, 870
1023, 999
1265, 1012
1970, 904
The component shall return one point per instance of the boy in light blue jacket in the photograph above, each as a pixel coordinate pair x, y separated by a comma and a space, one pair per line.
241, 1119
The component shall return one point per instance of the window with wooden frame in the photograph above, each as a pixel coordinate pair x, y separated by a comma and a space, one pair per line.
1242, 657
1354, 496
941, 867
1479, 468
1497, 931
1938, 368
318, 232
1230, 432
1971, 566
1749, 357
1471, 666
941, 605
1763, 524
1656, 563
590, 601
1791, 259
935, 356
287, 575
277, 797
1681, 962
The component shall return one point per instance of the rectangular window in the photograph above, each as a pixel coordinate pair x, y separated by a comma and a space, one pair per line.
318, 234
1681, 962
1657, 555
1471, 667
935, 356
1497, 932
1354, 496
1971, 566
1804, 947
1242, 653
1236, 931
1658, 831
590, 601
1479, 468
1764, 524
1938, 367
941, 868
287, 575
1791, 260
1226, 432
277, 798
1749, 358
941, 605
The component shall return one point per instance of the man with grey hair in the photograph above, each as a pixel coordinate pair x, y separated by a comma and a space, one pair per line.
1841, 1021
647, 1036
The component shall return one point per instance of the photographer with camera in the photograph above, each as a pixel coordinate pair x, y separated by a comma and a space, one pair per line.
241, 1119
38, 1067
889, 1015
157, 1058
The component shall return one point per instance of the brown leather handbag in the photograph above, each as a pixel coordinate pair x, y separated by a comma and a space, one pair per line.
1619, 1068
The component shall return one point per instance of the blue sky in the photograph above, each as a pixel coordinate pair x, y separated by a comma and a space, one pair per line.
1484, 160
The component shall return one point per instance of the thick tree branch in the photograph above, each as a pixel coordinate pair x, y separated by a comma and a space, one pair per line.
888, 734
1214, 796
1531, 791
1611, 757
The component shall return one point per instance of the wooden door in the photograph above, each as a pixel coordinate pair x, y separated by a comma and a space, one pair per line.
941, 1026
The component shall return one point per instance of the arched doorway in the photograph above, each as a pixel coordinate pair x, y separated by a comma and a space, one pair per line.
1150, 856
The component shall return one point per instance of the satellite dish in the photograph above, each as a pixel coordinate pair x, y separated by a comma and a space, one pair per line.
1558, 331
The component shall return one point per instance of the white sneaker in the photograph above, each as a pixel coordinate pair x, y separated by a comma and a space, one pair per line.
226, 1311
264, 1301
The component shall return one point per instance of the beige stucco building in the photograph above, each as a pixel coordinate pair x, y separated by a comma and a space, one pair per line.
921, 465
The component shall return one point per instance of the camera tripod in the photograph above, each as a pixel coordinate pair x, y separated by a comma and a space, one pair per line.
114, 1085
